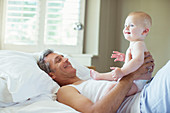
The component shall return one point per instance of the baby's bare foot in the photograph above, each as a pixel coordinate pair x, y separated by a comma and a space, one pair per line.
94, 74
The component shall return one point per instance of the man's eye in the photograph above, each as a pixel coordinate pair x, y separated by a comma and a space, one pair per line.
58, 60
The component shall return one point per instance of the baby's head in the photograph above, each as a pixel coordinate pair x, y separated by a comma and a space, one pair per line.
143, 17
137, 26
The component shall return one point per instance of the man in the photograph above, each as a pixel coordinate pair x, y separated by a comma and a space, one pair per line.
61, 71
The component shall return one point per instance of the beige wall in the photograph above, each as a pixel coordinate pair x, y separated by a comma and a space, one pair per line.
112, 16
105, 34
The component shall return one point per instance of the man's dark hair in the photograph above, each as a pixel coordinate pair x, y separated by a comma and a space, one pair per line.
45, 65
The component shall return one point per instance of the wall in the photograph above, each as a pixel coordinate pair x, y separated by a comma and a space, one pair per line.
91, 31
100, 35
111, 22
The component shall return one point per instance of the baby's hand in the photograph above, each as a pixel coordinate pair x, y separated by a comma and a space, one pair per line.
117, 73
119, 56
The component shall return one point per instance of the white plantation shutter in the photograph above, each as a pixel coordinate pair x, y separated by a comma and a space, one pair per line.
22, 22
60, 18
40, 24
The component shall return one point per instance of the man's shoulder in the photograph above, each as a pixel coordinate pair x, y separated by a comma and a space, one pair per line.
67, 88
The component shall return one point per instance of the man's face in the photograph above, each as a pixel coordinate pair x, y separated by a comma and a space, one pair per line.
61, 68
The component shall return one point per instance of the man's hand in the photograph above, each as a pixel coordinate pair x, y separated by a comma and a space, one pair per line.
148, 58
119, 56
145, 71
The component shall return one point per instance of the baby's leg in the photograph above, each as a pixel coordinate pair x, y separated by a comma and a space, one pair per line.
101, 76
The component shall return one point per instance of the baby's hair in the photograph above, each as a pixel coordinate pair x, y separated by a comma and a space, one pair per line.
146, 17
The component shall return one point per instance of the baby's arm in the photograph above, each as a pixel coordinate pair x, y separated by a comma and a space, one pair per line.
118, 56
137, 60
128, 56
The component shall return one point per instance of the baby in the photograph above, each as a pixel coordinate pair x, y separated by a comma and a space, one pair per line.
136, 28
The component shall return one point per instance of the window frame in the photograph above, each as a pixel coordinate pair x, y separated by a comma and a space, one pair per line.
68, 49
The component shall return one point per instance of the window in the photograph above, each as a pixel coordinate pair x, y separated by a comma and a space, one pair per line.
33, 25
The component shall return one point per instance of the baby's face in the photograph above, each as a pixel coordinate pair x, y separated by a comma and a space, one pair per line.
134, 28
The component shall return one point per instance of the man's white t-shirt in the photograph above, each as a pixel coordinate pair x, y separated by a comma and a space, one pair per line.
96, 89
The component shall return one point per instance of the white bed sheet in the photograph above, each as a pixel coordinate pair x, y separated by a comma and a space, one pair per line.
40, 104
43, 106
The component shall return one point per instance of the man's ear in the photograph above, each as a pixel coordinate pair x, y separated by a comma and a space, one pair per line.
51, 74
146, 31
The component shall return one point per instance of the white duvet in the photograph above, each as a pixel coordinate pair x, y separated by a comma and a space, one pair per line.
43, 106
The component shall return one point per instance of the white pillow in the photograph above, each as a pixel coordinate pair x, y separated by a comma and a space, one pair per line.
22, 78
82, 71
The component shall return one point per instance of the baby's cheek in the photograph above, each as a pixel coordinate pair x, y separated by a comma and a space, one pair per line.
135, 34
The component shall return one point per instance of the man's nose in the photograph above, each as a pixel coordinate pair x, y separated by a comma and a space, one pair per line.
65, 59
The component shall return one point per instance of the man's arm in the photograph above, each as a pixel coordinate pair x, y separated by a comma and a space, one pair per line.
110, 102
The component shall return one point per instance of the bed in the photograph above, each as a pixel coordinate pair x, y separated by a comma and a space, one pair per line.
25, 88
